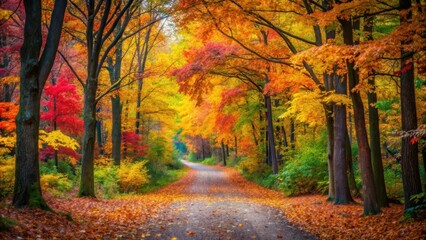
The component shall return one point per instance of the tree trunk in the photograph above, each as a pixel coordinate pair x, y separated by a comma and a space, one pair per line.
329, 120
371, 205
27, 176
292, 135
285, 143
341, 185
142, 56
351, 176
223, 153
116, 129
409, 151
376, 155
373, 118
330, 35
203, 155
271, 139
55, 151
115, 76
87, 184
424, 165
235, 148
33, 76
99, 135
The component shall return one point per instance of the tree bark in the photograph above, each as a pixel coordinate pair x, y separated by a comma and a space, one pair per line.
99, 139
409, 151
116, 129
115, 76
292, 135
330, 149
236, 148
373, 118
223, 153
376, 155
33, 76
350, 169
341, 185
271, 138
87, 184
142, 56
371, 205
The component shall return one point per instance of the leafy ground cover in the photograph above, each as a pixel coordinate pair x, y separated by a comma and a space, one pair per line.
124, 217
92, 218
320, 217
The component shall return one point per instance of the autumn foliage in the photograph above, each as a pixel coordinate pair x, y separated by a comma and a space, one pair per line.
303, 97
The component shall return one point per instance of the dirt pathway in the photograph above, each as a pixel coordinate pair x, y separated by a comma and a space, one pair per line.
216, 209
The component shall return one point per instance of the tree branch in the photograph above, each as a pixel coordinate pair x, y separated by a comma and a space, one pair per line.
72, 69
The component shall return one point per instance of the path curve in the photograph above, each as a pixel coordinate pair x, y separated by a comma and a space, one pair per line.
216, 209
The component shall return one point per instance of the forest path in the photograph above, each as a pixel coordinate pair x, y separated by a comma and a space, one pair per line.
216, 208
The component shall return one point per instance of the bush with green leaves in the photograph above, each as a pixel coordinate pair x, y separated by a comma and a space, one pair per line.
192, 157
303, 173
56, 183
210, 161
175, 163
64, 167
254, 168
106, 181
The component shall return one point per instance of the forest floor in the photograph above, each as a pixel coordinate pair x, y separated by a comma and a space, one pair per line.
209, 203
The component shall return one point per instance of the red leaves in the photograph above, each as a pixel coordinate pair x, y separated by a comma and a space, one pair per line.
414, 140
200, 62
231, 95
132, 142
63, 105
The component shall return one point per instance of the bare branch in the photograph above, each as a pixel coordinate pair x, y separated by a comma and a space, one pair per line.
72, 69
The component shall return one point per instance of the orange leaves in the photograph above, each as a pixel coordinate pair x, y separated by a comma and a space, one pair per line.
93, 218
8, 112
328, 221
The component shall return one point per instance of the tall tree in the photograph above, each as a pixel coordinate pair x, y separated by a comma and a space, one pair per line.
369, 192
409, 150
63, 107
373, 119
114, 69
342, 194
101, 19
35, 69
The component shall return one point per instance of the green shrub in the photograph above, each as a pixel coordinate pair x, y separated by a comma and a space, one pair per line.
254, 168
192, 157
393, 180
209, 161
106, 181
56, 184
6, 223
176, 163
307, 172
7, 176
64, 167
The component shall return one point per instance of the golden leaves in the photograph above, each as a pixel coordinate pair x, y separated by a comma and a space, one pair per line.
57, 139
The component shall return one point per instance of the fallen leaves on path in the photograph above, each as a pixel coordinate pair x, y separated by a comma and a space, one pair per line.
93, 218
328, 221
124, 217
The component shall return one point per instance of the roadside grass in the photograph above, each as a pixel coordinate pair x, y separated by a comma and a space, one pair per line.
170, 176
